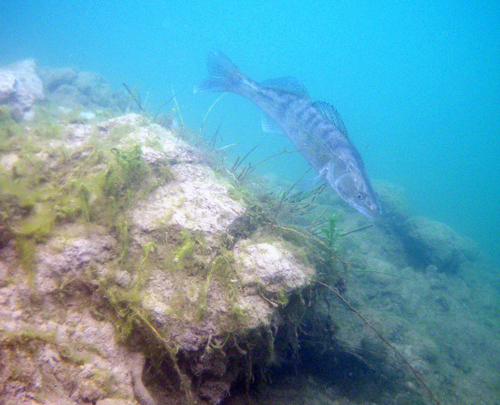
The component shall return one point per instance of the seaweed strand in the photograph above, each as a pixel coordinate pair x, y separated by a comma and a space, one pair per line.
134, 97
398, 353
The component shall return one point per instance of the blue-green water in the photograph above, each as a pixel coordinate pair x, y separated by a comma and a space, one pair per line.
417, 83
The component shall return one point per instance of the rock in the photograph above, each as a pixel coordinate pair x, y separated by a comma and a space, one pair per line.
269, 273
74, 89
193, 202
67, 95
55, 77
109, 401
92, 85
268, 267
433, 243
8, 85
394, 204
71, 346
64, 258
20, 88
133, 120
165, 265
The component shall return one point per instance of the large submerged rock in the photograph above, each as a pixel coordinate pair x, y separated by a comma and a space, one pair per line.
164, 272
23, 84
20, 88
436, 244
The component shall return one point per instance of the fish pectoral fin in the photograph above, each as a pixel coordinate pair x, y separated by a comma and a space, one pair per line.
270, 125
310, 184
331, 115
289, 84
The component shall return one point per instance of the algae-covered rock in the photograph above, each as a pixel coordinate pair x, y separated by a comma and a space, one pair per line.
50, 342
68, 87
209, 297
436, 244
271, 267
55, 77
20, 87
126, 246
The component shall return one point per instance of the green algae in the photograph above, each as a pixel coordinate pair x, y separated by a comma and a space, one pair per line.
10, 130
27, 338
50, 184
185, 250
27, 248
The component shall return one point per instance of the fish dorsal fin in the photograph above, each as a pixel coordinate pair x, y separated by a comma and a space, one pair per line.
289, 84
331, 114
270, 125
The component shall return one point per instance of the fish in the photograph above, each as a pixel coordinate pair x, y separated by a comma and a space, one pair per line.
315, 128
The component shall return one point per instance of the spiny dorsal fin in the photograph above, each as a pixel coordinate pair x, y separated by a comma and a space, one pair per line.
332, 115
289, 84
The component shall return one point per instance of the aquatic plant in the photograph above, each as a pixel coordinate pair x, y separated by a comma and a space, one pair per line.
186, 249
10, 130
386, 342
133, 170
331, 233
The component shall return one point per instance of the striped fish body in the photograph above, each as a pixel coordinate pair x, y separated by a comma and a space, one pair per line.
316, 129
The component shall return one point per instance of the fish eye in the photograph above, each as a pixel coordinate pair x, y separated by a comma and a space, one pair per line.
359, 196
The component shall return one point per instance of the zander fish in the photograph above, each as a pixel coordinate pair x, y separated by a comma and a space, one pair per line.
316, 129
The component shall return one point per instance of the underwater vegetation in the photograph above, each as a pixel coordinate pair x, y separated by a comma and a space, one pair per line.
127, 248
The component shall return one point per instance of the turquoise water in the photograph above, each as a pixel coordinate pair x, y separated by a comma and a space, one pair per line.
417, 83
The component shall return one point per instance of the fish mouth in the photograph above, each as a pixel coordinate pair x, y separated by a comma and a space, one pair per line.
370, 212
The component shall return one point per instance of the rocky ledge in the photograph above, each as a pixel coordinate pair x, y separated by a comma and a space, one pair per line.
108, 251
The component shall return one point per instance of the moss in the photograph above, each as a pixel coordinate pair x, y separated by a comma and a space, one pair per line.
90, 183
245, 226
72, 355
48, 129
125, 303
84, 194
238, 316
129, 178
186, 250
104, 379
36, 226
27, 248
10, 130
26, 339
133, 167
141, 272
221, 271
123, 235
118, 132
53, 194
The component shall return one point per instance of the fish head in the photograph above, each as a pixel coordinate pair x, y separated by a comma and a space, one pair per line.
356, 190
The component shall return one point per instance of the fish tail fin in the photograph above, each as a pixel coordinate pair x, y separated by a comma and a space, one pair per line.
223, 75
